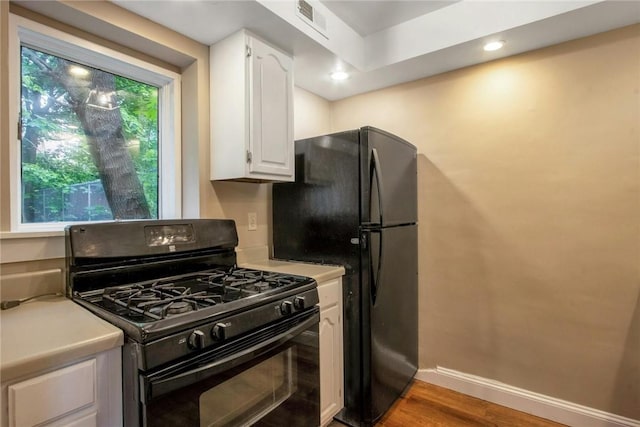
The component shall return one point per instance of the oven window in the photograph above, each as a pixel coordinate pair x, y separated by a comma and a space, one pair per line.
281, 384
250, 395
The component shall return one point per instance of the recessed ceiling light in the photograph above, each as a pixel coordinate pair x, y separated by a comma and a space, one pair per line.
495, 45
339, 75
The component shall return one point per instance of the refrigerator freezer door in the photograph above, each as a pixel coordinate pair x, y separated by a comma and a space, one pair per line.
388, 168
390, 289
316, 218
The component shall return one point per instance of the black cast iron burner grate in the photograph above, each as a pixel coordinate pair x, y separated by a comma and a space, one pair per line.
160, 300
165, 298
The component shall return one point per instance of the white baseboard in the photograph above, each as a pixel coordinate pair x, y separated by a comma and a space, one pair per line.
519, 399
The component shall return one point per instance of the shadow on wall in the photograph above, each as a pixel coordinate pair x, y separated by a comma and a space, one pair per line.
452, 309
234, 193
627, 385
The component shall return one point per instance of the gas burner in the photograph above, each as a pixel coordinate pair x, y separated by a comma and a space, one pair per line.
159, 300
178, 307
237, 282
261, 287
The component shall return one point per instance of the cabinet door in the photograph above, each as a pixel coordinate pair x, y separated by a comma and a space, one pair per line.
46, 397
330, 363
331, 356
270, 111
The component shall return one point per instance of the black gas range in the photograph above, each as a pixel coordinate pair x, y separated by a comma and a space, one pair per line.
194, 321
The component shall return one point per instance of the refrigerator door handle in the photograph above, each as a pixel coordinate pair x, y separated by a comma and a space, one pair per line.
375, 275
376, 171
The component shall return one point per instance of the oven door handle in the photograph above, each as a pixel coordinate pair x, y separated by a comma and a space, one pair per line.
156, 387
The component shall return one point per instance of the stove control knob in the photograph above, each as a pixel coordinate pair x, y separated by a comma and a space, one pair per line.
218, 332
286, 307
298, 302
196, 340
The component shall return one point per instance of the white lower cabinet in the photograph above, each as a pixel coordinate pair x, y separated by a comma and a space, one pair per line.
83, 394
331, 358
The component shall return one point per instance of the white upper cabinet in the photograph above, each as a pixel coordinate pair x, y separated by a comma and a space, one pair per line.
251, 110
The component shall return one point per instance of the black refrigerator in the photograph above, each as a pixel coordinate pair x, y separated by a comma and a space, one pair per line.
354, 203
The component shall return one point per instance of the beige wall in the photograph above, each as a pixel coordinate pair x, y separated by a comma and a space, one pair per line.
529, 186
312, 115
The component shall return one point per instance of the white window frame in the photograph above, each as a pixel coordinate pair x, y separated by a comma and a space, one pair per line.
53, 41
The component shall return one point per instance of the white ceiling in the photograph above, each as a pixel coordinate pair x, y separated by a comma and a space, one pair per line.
382, 43
368, 17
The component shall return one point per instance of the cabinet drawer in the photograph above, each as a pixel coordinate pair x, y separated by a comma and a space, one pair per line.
330, 293
52, 395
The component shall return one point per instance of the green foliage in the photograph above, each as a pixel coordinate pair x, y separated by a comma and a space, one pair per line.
55, 154
60, 168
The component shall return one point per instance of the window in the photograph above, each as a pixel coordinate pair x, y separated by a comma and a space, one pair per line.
98, 135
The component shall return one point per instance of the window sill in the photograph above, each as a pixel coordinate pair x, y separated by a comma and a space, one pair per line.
5, 235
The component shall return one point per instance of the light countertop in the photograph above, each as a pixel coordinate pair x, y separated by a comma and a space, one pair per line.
48, 333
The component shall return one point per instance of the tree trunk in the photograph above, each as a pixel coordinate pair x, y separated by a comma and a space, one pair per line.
95, 104
102, 123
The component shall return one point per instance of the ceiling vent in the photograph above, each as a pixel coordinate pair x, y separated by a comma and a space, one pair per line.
312, 17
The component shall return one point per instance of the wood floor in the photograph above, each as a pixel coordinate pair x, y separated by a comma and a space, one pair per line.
429, 405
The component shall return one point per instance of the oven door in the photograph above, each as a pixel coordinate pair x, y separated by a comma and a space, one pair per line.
266, 378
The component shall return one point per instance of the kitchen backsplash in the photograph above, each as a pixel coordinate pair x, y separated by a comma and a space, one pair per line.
27, 284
